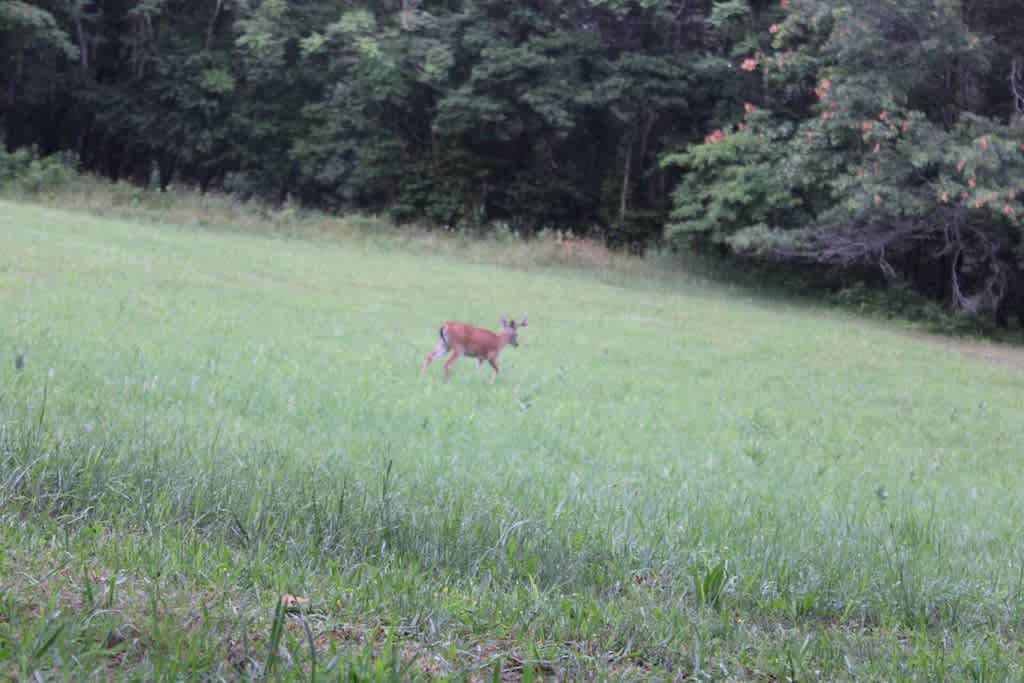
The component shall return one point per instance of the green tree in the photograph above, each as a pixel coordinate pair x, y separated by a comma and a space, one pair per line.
899, 158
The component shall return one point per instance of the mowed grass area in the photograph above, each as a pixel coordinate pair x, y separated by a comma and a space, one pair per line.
665, 482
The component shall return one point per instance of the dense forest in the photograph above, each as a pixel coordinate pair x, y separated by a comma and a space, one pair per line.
884, 137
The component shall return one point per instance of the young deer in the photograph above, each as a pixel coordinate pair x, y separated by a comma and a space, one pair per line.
465, 340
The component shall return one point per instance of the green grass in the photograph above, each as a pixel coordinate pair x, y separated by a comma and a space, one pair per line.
667, 480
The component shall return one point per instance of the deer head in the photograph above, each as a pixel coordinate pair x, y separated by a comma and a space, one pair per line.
511, 330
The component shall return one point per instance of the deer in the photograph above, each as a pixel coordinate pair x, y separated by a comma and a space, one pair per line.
465, 340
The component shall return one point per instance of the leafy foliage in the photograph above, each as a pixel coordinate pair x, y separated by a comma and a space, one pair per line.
867, 135
733, 183
898, 158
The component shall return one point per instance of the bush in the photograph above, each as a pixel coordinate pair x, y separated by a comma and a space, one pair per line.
25, 171
14, 164
901, 302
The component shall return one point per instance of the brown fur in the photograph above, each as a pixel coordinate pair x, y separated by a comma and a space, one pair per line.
466, 340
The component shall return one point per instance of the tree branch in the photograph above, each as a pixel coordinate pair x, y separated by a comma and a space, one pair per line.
1017, 83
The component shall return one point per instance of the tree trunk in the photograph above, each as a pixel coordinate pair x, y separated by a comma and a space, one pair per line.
114, 152
124, 169
435, 150
83, 138
650, 118
211, 27
624, 197
205, 176
1017, 87
165, 168
83, 49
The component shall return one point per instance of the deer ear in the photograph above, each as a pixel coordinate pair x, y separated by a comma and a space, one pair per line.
523, 324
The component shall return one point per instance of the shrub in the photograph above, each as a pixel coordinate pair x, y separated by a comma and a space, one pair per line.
25, 171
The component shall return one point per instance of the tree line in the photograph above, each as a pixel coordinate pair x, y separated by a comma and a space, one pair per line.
884, 137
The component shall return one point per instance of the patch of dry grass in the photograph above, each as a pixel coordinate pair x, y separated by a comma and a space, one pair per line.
186, 207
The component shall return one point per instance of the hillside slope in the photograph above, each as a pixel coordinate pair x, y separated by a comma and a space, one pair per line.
662, 479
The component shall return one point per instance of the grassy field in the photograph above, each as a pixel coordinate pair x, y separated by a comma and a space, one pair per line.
667, 481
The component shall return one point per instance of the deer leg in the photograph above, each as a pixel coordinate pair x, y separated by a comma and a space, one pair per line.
494, 364
441, 349
448, 366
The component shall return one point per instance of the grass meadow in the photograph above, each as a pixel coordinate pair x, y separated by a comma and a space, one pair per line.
218, 461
